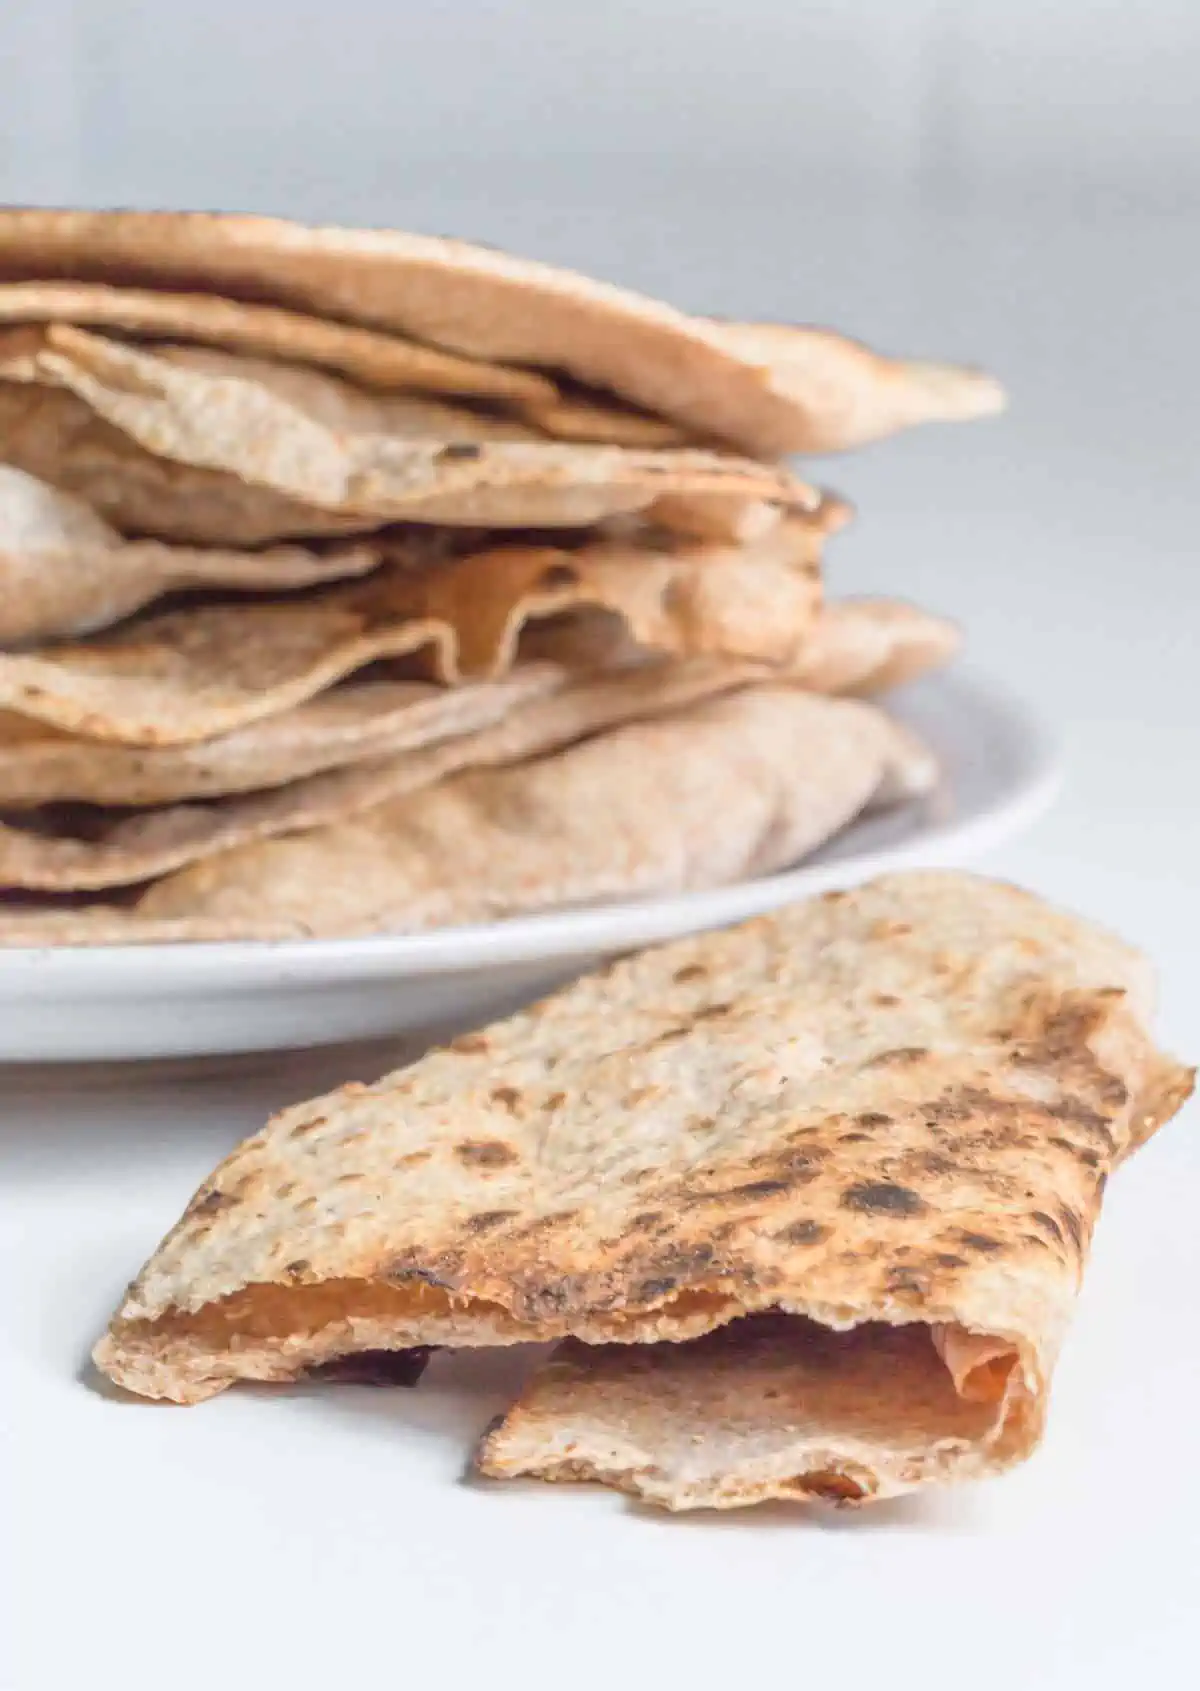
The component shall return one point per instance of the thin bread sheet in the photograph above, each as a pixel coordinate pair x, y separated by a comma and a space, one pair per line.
374, 360
856, 647
771, 1408
892, 1110
191, 444
128, 850
187, 674
737, 785
852, 395
466, 298
64, 571
350, 723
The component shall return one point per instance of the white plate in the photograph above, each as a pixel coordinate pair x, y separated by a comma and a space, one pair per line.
1000, 771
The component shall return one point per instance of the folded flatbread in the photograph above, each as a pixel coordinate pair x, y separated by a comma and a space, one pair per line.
736, 786
854, 395
890, 1113
387, 362
64, 571
351, 723
770, 1407
93, 850
469, 299
856, 647
187, 674
866, 646
194, 444
846, 393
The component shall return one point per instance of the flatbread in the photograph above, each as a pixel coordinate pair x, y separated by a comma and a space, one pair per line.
191, 444
382, 361
856, 647
350, 723
758, 601
852, 395
860, 647
64, 571
738, 785
184, 675
847, 393
95, 851
576, 416
771, 1407
470, 299
898, 1105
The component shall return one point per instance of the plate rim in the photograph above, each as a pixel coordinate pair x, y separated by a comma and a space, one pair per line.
561, 934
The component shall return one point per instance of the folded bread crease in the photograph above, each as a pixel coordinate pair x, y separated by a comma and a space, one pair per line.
881, 1121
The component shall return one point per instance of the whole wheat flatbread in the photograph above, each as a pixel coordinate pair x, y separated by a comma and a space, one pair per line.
859, 647
187, 674
350, 723
847, 393
856, 647
467, 298
851, 395
768, 1407
383, 361
64, 571
104, 852
738, 785
892, 1109
866, 646
589, 417
193, 444
758, 601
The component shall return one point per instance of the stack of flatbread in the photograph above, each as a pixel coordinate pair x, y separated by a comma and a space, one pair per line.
806, 1204
355, 581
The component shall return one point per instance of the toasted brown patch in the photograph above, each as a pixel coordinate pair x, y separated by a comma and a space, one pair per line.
980, 1242
486, 1220
901, 1057
882, 1197
802, 1232
486, 1153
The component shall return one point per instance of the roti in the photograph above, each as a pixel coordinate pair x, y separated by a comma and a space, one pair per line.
768, 1408
890, 1113
188, 674
92, 851
351, 723
853, 395
387, 362
64, 571
734, 786
858, 647
468, 299
196, 445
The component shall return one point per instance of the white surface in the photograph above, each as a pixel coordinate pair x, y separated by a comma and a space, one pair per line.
998, 772
354, 104
322, 1538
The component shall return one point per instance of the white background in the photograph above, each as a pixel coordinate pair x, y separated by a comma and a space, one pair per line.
382, 104
1016, 183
